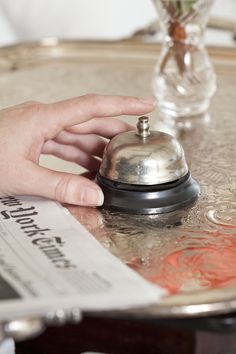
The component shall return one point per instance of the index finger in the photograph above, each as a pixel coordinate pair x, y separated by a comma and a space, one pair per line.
77, 110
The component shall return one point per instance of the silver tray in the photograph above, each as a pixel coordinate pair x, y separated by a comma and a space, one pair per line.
192, 253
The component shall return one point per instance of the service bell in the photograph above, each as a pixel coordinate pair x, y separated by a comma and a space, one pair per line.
145, 172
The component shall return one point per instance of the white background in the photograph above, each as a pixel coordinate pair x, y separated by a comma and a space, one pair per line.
22, 20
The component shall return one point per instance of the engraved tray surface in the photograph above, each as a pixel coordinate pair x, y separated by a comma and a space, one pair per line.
192, 252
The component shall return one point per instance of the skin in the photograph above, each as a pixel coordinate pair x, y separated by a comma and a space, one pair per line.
76, 130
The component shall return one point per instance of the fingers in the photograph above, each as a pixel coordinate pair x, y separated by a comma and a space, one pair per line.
106, 127
77, 110
26, 128
72, 154
90, 143
63, 187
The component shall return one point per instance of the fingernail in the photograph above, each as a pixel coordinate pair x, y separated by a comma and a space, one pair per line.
148, 101
92, 197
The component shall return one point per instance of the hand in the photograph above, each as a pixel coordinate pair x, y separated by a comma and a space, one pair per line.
75, 130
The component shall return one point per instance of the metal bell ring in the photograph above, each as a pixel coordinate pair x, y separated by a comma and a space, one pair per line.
145, 172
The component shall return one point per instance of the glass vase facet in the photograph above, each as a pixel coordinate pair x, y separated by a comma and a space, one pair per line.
184, 79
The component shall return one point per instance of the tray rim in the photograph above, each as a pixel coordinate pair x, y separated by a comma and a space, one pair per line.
165, 309
125, 44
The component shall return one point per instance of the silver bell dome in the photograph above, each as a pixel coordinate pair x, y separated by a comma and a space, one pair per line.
143, 157
145, 172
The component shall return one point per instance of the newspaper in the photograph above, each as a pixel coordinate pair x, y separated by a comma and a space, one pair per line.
49, 261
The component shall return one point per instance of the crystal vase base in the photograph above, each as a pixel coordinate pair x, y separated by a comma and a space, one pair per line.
184, 79
189, 109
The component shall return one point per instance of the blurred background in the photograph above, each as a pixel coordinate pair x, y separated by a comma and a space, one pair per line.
27, 20
24, 20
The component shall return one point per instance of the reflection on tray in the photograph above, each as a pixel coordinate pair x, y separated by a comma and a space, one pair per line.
165, 250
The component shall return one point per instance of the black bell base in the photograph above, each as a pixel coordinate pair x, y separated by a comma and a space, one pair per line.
155, 199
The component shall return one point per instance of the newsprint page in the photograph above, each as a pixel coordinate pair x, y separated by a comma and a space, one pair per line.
49, 261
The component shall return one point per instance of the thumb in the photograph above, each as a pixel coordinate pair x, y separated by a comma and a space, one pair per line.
63, 187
